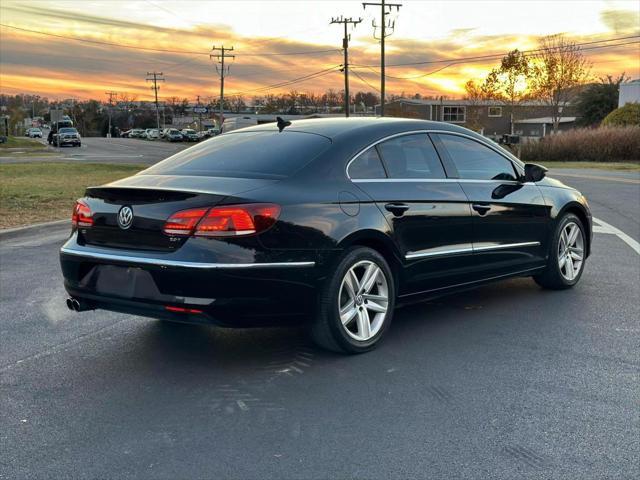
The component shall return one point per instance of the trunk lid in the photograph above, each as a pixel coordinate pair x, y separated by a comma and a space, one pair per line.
152, 200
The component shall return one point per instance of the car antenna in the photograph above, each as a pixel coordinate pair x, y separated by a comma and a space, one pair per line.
282, 123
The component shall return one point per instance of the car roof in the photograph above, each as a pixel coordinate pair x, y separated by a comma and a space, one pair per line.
340, 128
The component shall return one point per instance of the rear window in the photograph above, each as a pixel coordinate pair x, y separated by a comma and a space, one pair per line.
245, 154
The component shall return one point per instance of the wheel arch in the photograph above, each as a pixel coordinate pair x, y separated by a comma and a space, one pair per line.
579, 211
381, 243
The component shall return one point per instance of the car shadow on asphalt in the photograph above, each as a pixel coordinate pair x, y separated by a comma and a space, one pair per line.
236, 348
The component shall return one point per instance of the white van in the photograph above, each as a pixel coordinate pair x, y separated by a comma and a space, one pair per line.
236, 123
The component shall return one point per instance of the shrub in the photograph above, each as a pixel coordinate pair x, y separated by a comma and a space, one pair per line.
604, 144
628, 114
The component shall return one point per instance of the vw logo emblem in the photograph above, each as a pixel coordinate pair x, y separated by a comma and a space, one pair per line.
125, 217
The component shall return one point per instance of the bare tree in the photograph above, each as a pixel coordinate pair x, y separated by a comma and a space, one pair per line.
558, 69
237, 103
475, 96
514, 73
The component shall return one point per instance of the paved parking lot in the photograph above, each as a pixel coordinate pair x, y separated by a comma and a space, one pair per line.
506, 381
111, 150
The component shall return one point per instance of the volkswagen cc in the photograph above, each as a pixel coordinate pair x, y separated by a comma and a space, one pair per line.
329, 222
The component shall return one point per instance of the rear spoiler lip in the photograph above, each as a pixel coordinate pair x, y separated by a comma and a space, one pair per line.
157, 189
134, 183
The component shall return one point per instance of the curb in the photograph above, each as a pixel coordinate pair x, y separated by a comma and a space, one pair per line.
7, 233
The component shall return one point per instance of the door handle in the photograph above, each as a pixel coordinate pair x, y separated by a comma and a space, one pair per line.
481, 209
397, 209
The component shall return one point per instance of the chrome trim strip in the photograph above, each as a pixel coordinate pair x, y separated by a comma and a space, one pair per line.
455, 249
437, 180
484, 248
439, 251
176, 263
517, 162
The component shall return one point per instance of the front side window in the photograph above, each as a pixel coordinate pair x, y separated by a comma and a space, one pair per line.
454, 114
476, 161
411, 156
367, 165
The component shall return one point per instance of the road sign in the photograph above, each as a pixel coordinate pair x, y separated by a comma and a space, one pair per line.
200, 109
56, 115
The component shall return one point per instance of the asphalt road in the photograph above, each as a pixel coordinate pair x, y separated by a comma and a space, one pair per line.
109, 150
506, 381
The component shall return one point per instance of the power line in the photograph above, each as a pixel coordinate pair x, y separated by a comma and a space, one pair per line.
364, 81
156, 77
500, 55
293, 81
162, 50
220, 58
345, 47
383, 34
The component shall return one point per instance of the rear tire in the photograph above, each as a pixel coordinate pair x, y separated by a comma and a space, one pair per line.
356, 303
567, 255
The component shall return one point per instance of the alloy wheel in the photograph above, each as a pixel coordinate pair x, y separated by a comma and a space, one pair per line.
363, 300
570, 251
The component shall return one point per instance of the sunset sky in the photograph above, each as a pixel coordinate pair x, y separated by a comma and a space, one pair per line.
425, 31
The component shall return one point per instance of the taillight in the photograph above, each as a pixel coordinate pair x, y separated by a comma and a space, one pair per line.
183, 222
231, 220
81, 216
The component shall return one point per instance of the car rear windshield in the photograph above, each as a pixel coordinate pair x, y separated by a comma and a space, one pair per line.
258, 154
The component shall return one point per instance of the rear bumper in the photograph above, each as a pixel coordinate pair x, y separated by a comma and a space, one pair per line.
228, 294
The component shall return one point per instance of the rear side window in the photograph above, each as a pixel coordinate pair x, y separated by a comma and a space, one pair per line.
411, 156
367, 165
261, 154
476, 161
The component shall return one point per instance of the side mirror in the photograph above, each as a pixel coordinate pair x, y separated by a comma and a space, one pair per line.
533, 172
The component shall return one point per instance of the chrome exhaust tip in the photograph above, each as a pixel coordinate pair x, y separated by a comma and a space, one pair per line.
73, 304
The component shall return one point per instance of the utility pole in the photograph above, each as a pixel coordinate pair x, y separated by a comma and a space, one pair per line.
220, 59
156, 77
383, 34
111, 95
345, 47
199, 113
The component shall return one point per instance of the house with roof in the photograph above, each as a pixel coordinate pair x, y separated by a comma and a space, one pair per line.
491, 118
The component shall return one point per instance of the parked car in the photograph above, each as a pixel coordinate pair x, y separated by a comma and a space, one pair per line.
135, 133
67, 136
152, 134
173, 135
34, 133
331, 222
210, 132
189, 135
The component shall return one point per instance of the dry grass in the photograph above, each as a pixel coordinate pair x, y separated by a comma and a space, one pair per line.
41, 192
606, 144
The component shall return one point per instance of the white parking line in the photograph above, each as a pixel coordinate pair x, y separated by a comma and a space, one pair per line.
604, 227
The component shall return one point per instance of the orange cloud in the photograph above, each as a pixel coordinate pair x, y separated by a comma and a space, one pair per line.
58, 67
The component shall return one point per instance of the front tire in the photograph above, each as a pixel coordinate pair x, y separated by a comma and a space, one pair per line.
356, 303
567, 255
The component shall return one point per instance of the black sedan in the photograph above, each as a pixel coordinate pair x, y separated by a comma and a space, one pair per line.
332, 223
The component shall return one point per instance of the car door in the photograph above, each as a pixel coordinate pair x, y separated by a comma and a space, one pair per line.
510, 218
428, 214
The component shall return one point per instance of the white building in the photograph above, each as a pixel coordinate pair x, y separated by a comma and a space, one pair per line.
629, 92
